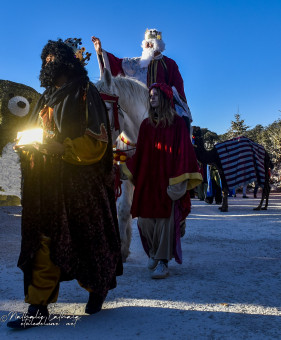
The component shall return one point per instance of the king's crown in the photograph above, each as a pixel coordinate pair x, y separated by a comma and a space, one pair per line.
152, 34
79, 52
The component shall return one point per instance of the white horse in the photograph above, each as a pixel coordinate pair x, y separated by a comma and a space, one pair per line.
133, 101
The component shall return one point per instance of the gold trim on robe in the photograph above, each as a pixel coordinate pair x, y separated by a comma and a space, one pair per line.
83, 150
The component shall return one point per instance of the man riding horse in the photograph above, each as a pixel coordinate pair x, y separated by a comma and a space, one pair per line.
151, 67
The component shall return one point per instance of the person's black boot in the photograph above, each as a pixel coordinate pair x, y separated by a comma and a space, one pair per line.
37, 315
94, 303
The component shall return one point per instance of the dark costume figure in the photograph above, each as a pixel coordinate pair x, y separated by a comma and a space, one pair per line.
69, 219
163, 169
214, 190
202, 188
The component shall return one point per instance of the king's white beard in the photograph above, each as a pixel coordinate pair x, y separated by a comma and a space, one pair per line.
146, 57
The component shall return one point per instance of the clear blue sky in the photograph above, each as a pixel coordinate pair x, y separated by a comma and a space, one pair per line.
228, 52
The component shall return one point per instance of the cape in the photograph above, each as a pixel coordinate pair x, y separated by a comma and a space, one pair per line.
73, 205
66, 104
164, 156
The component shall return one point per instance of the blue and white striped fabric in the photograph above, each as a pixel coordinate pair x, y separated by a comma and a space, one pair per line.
242, 161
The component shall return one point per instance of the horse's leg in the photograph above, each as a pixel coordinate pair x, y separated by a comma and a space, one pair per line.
266, 197
125, 218
224, 207
259, 207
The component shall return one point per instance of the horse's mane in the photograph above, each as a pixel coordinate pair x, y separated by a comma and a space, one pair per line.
131, 89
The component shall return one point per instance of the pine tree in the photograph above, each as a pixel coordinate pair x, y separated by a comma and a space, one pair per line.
238, 127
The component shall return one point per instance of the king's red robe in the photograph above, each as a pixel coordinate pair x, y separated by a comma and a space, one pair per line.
163, 70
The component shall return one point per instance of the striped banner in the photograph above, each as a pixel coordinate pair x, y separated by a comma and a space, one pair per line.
242, 161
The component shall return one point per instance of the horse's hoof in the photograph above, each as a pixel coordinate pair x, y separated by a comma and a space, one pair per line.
124, 257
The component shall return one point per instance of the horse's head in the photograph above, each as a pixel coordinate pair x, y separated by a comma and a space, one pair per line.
196, 131
133, 100
105, 84
196, 135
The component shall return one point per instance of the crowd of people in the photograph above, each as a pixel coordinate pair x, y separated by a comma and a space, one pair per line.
69, 218
210, 190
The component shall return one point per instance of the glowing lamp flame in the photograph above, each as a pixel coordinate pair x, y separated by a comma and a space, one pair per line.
30, 137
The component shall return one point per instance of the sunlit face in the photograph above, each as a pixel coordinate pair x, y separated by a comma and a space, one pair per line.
50, 58
154, 98
148, 44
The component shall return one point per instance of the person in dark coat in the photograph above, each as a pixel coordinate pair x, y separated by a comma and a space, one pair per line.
69, 220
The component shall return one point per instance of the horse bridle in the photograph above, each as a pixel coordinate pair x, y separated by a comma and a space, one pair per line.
114, 100
117, 110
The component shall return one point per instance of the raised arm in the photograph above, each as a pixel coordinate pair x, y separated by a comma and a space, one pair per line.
107, 60
97, 44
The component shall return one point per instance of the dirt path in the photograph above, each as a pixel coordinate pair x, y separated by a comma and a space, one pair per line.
228, 286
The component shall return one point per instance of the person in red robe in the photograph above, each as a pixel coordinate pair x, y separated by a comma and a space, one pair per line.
152, 67
163, 169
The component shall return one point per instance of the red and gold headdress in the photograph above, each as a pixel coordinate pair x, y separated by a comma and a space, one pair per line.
166, 89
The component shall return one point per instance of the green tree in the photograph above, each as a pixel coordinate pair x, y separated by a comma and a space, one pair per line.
238, 127
257, 134
272, 140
